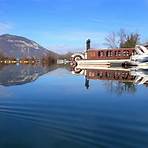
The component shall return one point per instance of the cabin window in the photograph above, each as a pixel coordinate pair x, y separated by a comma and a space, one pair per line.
101, 53
119, 53
98, 53
92, 54
116, 54
125, 53
111, 53
108, 75
100, 75
107, 53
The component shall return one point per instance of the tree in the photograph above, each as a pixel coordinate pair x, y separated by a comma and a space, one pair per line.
122, 39
131, 40
1, 56
48, 60
111, 40
66, 56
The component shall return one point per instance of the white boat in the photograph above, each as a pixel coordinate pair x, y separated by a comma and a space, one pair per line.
141, 56
141, 76
93, 58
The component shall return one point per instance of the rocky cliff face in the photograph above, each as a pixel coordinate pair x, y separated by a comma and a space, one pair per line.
20, 47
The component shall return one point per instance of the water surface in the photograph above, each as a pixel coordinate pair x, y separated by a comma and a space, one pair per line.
51, 107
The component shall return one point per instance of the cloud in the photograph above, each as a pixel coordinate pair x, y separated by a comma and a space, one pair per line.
5, 27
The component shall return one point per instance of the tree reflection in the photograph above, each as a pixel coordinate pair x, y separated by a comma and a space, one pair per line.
119, 87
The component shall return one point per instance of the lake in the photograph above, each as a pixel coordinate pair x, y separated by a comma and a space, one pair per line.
53, 107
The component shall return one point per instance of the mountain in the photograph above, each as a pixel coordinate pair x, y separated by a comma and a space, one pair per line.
21, 47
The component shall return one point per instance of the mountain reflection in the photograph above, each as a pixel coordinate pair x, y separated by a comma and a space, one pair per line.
21, 74
116, 79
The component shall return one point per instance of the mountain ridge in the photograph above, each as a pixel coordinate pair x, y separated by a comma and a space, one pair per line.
21, 47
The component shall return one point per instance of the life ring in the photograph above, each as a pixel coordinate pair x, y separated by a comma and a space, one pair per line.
76, 57
77, 70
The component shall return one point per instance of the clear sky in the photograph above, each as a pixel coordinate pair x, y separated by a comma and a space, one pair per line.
63, 25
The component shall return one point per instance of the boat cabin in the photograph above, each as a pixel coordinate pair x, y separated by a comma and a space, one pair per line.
102, 74
110, 54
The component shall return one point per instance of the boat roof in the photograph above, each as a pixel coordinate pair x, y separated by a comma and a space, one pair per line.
97, 49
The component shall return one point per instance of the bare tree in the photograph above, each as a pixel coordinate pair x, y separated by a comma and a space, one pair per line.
111, 40
122, 39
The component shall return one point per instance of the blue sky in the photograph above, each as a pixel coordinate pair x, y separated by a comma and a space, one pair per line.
63, 25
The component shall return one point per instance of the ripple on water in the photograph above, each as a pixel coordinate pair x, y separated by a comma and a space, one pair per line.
82, 125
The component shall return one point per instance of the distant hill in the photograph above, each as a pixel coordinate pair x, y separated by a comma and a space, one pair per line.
21, 47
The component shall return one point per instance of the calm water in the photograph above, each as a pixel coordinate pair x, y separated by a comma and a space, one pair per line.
49, 107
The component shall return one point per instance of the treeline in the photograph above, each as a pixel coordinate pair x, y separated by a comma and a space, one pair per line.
2, 57
49, 59
46, 60
122, 39
66, 56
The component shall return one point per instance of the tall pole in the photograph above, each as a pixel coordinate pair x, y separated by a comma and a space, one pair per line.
88, 44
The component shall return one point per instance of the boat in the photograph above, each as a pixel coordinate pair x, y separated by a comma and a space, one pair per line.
93, 58
141, 56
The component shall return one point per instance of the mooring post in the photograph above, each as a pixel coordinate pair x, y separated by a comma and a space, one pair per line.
88, 44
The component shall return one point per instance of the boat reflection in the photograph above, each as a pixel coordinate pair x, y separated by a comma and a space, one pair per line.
115, 78
141, 76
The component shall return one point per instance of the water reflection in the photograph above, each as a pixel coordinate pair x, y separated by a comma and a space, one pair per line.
57, 111
116, 79
21, 74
